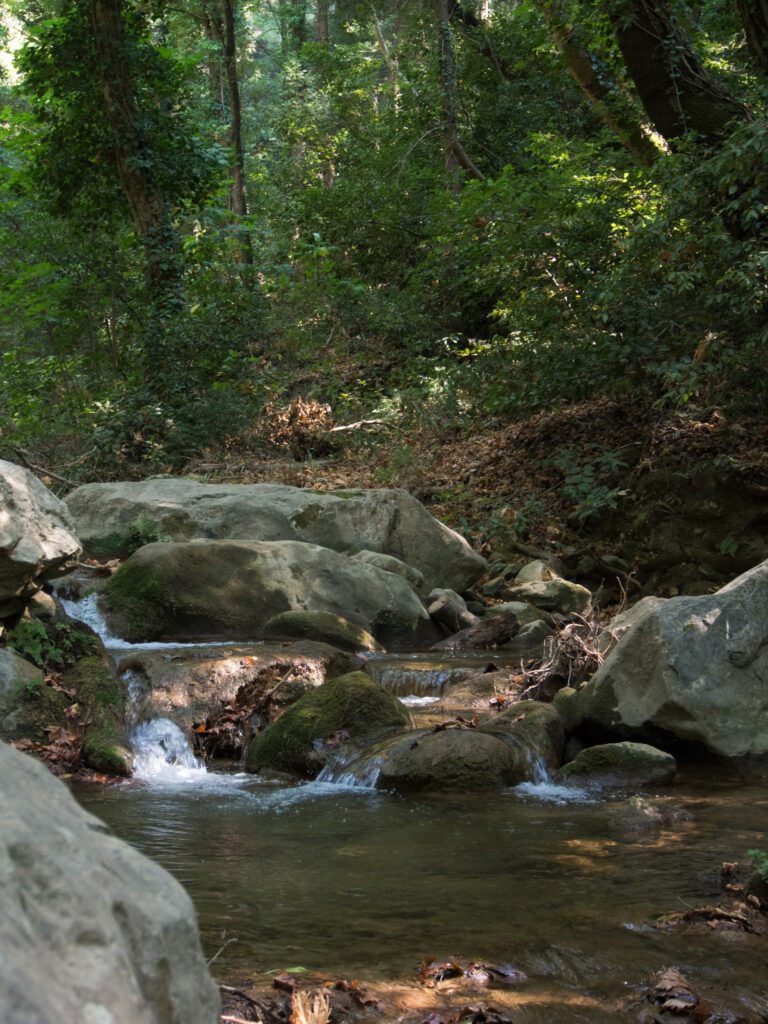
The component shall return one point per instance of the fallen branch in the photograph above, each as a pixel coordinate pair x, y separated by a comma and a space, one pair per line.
42, 470
354, 426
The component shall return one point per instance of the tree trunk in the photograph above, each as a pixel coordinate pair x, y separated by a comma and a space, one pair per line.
133, 158
677, 92
237, 195
221, 18
754, 18
448, 89
603, 95
322, 33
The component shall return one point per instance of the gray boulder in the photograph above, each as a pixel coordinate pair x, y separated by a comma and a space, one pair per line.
91, 931
349, 708
535, 734
454, 759
37, 537
696, 667
229, 590
552, 595
391, 522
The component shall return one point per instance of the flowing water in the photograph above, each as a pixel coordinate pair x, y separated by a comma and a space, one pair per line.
366, 884
336, 876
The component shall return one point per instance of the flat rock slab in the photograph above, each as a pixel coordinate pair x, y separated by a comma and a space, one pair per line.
91, 930
390, 522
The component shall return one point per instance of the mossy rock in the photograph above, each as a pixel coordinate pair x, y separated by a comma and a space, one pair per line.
103, 706
352, 703
568, 705
27, 705
321, 626
621, 764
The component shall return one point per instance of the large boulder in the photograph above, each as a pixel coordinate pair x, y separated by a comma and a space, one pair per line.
391, 522
90, 929
695, 667
229, 590
351, 707
37, 537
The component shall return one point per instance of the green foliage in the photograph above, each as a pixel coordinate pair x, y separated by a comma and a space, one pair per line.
760, 860
50, 647
587, 484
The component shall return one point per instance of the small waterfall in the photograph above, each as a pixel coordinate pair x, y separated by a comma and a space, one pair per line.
542, 786
161, 753
86, 610
361, 772
419, 676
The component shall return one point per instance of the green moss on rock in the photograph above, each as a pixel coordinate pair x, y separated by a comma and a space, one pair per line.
352, 703
103, 702
132, 596
622, 764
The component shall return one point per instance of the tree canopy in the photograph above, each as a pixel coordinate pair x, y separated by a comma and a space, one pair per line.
470, 209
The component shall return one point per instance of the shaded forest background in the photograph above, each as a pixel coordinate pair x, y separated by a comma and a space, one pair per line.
227, 226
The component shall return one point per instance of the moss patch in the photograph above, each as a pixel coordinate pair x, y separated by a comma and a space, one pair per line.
132, 597
352, 703
103, 701
623, 763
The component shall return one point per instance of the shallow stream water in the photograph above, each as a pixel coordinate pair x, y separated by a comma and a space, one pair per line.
354, 882
366, 884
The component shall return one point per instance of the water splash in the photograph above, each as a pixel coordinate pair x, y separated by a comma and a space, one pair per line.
543, 787
360, 773
413, 700
161, 752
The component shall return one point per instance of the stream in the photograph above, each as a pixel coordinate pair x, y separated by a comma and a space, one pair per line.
365, 884
354, 882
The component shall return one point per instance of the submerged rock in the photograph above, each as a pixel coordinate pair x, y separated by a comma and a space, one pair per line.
390, 522
37, 537
351, 707
229, 590
90, 929
695, 667
621, 764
